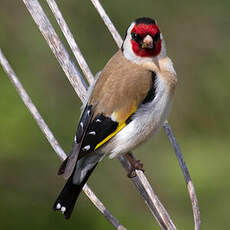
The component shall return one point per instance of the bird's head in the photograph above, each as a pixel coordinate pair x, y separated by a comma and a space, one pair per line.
143, 40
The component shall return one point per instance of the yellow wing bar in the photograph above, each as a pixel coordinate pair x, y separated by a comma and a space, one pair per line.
120, 126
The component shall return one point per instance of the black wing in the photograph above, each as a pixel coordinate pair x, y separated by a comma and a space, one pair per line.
89, 134
100, 128
68, 165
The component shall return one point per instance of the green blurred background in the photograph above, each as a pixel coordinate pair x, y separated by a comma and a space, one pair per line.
197, 37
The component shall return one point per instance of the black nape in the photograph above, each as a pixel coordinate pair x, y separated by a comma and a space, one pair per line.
145, 20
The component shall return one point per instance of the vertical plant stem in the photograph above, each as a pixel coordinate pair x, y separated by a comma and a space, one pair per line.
57, 47
187, 177
71, 41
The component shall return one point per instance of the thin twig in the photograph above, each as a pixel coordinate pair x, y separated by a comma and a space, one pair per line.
187, 177
102, 208
190, 186
116, 36
150, 197
70, 39
57, 47
31, 107
50, 137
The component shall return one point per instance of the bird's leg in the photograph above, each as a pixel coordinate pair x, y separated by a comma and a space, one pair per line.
135, 164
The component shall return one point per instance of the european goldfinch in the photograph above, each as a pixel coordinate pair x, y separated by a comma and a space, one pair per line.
126, 105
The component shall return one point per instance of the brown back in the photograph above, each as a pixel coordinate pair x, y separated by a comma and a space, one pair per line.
121, 86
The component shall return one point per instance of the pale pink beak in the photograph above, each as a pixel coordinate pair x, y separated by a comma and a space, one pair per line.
147, 42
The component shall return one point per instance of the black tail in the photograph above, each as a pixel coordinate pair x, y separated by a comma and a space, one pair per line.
69, 194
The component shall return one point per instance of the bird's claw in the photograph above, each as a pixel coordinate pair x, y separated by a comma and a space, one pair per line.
135, 165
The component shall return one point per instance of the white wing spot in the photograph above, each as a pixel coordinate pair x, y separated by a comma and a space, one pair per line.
113, 117
98, 120
86, 148
58, 206
88, 112
75, 139
81, 124
63, 209
92, 133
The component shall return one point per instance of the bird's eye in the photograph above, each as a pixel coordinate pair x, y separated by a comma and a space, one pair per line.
157, 37
135, 37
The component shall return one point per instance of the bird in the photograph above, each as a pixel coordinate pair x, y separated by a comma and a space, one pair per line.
125, 106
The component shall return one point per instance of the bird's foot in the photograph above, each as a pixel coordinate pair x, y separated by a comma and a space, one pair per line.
135, 164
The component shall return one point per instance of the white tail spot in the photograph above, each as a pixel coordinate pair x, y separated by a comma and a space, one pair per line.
63, 209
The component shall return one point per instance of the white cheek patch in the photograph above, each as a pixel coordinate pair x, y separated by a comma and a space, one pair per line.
127, 46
